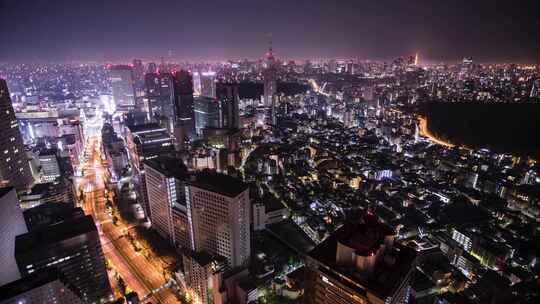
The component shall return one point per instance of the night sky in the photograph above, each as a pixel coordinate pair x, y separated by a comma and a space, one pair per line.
64, 30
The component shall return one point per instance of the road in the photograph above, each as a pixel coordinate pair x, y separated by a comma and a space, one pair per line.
424, 131
139, 273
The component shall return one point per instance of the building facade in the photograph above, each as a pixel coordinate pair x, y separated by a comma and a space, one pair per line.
74, 248
14, 167
11, 224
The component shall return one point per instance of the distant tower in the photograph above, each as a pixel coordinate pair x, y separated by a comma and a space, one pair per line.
270, 85
535, 90
123, 89
416, 59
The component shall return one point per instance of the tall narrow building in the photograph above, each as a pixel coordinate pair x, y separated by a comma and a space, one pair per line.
14, 166
270, 82
227, 95
165, 179
218, 212
123, 86
74, 248
159, 90
183, 108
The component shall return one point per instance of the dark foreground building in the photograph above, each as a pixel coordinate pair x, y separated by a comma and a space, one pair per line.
14, 167
73, 247
47, 286
360, 264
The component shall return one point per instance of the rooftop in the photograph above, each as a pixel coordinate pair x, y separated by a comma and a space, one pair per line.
50, 235
168, 166
386, 277
219, 183
28, 283
151, 127
4, 191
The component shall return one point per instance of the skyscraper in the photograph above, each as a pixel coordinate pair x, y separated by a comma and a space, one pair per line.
207, 114
14, 167
227, 95
47, 286
123, 86
165, 179
208, 84
159, 90
183, 108
11, 224
218, 212
360, 264
147, 141
270, 84
72, 246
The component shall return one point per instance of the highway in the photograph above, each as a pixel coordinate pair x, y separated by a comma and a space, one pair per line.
424, 131
140, 274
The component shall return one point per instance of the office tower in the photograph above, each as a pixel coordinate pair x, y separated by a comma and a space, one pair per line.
165, 185
270, 75
204, 276
138, 70
146, 142
14, 167
208, 84
11, 224
123, 87
159, 89
73, 247
207, 114
227, 95
218, 212
359, 264
183, 108
49, 165
47, 286
535, 90
152, 68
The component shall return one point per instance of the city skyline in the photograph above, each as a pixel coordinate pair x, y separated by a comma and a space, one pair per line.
60, 31
269, 152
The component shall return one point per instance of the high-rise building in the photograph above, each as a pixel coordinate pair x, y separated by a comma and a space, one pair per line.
14, 167
360, 264
183, 108
138, 70
270, 79
47, 286
207, 114
146, 142
204, 277
165, 179
535, 89
49, 165
218, 211
11, 224
227, 95
123, 86
152, 68
159, 89
74, 248
208, 84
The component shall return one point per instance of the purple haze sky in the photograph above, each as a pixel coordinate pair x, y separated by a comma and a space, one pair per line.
62, 30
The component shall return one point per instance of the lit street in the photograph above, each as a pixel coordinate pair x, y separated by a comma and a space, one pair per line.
139, 274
